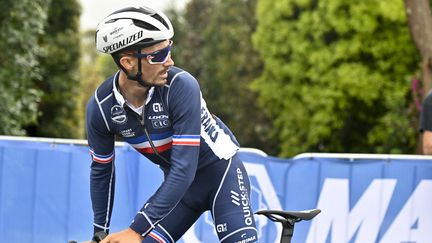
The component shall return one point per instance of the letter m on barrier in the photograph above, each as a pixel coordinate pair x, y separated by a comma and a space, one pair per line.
364, 219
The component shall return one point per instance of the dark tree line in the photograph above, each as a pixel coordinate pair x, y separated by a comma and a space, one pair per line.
287, 76
39, 40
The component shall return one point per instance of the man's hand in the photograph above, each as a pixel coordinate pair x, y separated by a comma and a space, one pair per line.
125, 236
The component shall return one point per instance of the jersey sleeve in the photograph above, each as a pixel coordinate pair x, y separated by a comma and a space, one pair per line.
102, 175
184, 105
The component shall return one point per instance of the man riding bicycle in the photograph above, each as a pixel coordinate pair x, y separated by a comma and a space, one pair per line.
159, 110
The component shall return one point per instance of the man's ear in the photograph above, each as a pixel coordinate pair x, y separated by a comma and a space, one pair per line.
127, 62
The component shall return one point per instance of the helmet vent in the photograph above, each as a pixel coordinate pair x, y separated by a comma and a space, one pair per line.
144, 25
131, 9
160, 19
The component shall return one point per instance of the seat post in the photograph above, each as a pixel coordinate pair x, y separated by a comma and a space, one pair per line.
287, 230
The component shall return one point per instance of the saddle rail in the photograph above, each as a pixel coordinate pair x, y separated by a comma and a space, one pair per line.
288, 220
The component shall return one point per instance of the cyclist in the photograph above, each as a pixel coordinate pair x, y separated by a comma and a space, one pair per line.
159, 110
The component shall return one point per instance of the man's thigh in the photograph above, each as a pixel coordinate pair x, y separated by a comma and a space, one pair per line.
233, 216
173, 226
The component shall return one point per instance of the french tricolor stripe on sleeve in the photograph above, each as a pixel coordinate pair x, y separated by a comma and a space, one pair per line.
158, 237
186, 140
102, 158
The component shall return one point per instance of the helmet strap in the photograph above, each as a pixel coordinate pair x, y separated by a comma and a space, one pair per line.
138, 75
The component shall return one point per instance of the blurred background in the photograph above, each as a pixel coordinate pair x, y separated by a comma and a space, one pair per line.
301, 80
288, 76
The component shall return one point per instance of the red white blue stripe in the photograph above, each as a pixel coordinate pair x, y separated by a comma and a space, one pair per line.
158, 237
104, 159
186, 140
162, 142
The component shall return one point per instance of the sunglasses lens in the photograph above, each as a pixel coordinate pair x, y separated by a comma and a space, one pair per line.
161, 56
158, 57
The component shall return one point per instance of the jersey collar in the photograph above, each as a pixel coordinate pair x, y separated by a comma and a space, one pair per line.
119, 97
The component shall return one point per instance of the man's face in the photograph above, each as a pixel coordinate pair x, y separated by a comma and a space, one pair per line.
154, 69
155, 74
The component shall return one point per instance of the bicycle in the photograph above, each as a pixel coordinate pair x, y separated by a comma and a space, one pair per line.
286, 218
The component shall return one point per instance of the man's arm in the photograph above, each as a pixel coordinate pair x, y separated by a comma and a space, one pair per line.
102, 175
185, 114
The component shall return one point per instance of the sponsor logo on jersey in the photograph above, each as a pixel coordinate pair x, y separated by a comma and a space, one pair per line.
250, 239
118, 114
244, 198
157, 107
124, 42
209, 124
127, 133
264, 197
235, 198
161, 121
221, 227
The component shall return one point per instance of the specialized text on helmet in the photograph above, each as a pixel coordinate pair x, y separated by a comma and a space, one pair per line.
123, 43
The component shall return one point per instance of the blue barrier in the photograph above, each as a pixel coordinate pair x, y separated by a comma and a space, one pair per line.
44, 194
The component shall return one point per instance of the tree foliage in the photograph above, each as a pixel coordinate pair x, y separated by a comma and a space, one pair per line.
95, 67
337, 75
21, 24
60, 72
189, 41
216, 47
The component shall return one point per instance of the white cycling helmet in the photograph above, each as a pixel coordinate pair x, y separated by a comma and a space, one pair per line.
132, 28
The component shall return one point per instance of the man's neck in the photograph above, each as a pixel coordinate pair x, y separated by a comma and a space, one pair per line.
134, 93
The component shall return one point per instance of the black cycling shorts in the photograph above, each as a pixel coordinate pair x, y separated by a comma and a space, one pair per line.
223, 188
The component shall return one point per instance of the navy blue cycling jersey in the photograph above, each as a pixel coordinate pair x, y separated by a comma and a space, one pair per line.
182, 137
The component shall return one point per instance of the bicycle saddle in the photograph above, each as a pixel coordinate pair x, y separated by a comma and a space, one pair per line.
296, 216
